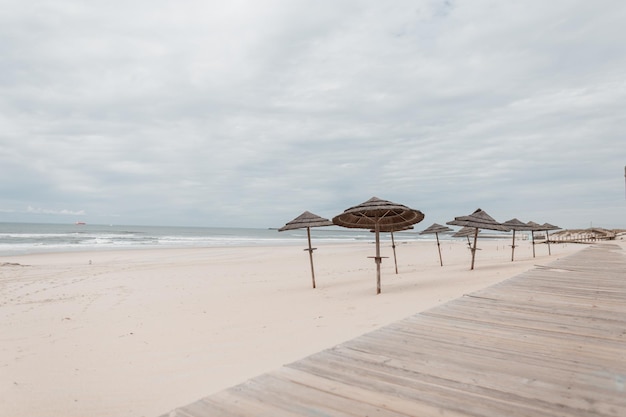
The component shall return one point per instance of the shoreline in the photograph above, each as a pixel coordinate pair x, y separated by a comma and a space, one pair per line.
300, 242
140, 332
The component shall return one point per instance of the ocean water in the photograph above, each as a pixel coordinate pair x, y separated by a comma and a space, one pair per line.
25, 238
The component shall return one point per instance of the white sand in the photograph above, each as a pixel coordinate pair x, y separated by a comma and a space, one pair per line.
138, 333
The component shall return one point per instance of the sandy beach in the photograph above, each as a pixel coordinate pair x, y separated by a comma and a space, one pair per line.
140, 332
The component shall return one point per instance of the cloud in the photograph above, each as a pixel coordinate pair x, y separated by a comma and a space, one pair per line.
63, 212
248, 113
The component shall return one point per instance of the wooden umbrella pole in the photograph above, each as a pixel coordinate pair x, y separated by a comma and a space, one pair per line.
439, 248
378, 259
548, 240
393, 246
513, 247
532, 235
308, 233
474, 248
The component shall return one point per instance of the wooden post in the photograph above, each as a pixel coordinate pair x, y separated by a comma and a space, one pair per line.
474, 248
548, 240
393, 246
378, 258
513, 247
439, 248
532, 234
308, 234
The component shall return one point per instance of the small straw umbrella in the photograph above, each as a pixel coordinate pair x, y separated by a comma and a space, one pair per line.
534, 227
549, 227
479, 219
393, 242
515, 224
378, 214
307, 220
465, 232
436, 229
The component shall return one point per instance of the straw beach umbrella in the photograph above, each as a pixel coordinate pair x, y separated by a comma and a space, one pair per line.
515, 224
307, 220
436, 229
549, 227
465, 232
534, 227
376, 214
393, 242
479, 219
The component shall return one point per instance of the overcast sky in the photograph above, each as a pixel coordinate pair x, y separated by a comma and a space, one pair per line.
249, 112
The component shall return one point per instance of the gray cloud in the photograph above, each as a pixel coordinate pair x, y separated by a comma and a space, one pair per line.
248, 113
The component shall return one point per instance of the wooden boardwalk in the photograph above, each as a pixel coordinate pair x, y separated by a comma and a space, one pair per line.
549, 342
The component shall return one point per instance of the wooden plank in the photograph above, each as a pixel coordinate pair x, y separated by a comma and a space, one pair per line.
417, 392
376, 399
527, 349
539, 376
550, 342
558, 321
313, 399
496, 382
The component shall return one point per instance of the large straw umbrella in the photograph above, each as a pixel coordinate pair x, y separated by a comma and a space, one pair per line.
307, 220
436, 229
376, 214
479, 219
515, 224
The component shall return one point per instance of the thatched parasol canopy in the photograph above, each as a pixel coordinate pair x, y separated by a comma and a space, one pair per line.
435, 229
377, 214
307, 220
515, 225
464, 232
535, 227
479, 219
548, 226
